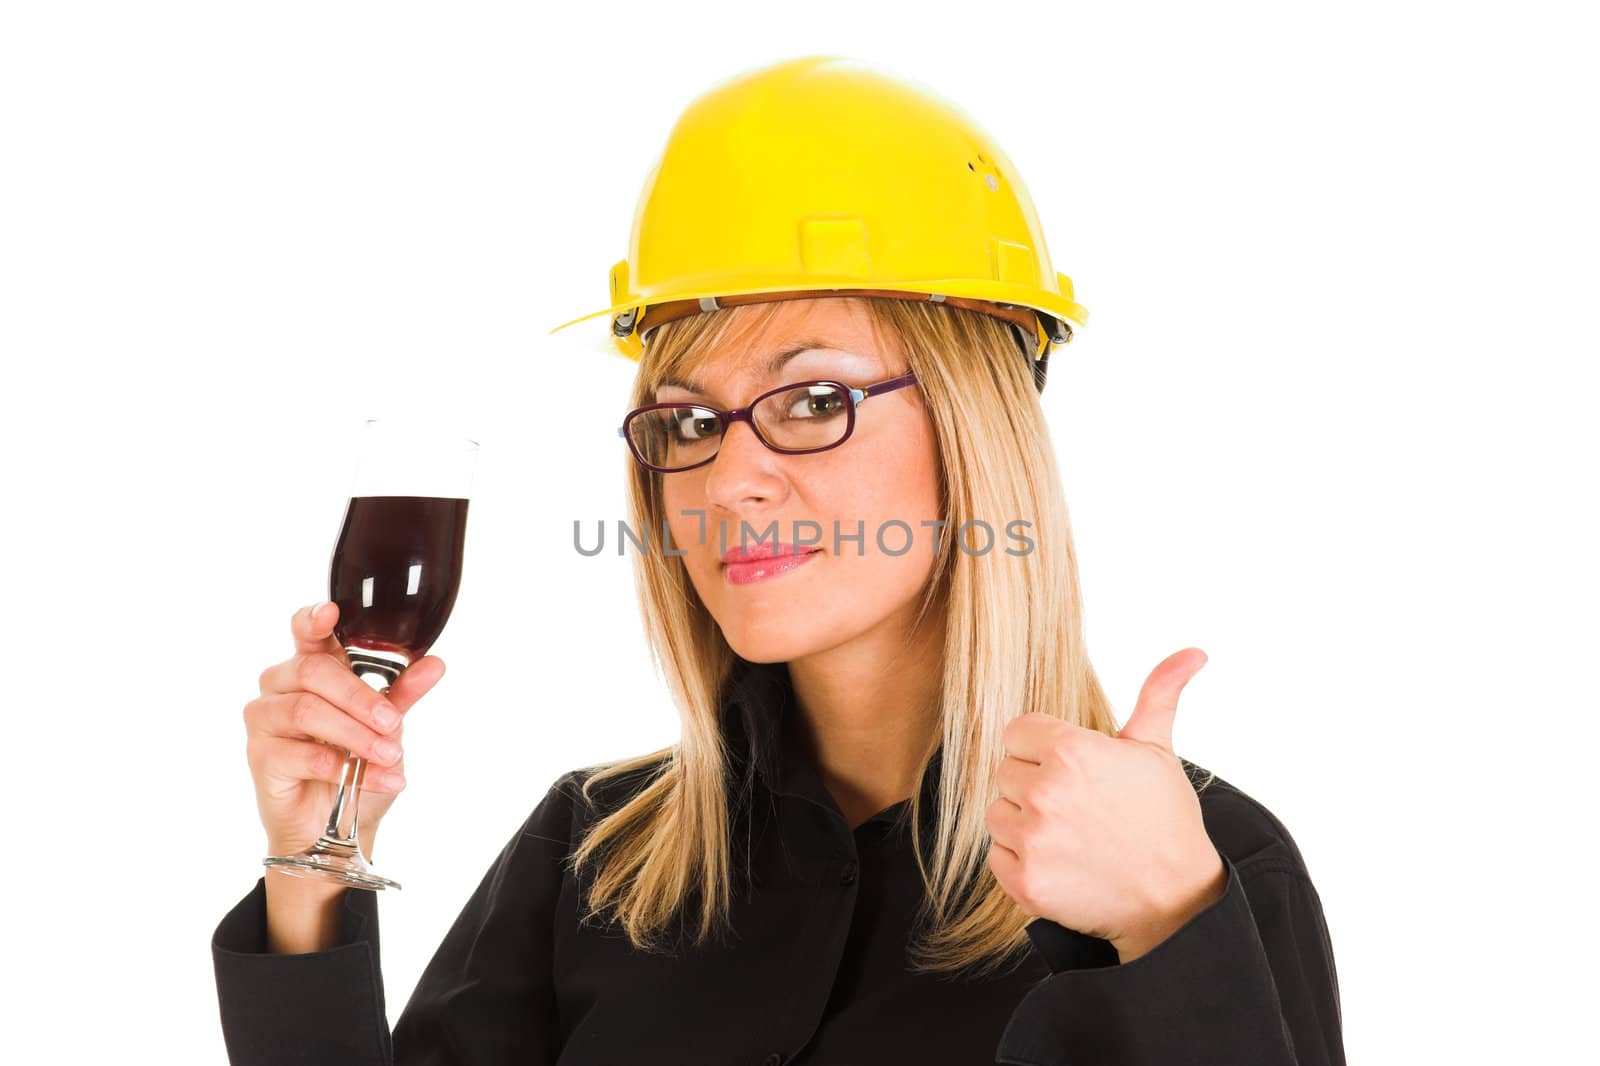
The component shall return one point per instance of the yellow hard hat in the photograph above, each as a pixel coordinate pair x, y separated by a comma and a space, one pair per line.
819, 176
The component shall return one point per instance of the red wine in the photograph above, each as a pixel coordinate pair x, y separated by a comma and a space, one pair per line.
395, 571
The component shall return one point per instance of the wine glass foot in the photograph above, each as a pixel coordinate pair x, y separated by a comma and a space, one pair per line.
332, 860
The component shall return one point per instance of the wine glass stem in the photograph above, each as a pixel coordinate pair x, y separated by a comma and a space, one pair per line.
344, 822
348, 803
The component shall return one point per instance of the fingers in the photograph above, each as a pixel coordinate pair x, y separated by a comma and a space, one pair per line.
313, 710
320, 674
300, 715
415, 681
314, 633
333, 680
289, 759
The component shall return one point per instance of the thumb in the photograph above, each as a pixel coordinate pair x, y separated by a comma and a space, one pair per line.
1152, 716
313, 630
415, 681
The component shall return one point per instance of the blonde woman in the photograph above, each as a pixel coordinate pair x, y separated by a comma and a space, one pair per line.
901, 823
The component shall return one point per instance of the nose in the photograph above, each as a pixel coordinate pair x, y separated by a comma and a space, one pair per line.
744, 472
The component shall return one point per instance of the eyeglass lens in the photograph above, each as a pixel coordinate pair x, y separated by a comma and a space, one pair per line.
803, 418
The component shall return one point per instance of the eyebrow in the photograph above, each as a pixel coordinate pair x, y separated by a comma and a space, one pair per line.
768, 367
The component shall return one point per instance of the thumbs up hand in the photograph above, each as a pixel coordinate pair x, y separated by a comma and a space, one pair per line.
1104, 834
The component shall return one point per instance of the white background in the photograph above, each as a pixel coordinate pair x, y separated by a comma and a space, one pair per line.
1332, 420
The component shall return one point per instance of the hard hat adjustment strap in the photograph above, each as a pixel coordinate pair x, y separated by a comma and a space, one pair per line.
1055, 329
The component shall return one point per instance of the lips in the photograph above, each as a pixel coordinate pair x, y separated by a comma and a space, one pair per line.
749, 566
762, 551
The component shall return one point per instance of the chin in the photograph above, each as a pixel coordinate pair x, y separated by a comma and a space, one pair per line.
767, 647
793, 635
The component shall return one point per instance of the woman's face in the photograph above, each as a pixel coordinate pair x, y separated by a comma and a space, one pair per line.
886, 470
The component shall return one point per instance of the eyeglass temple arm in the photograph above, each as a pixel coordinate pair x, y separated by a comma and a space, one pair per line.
857, 395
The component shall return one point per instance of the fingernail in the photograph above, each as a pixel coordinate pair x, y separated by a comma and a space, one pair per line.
316, 610
386, 750
386, 717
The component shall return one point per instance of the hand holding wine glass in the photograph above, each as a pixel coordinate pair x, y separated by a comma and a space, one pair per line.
312, 710
392, 580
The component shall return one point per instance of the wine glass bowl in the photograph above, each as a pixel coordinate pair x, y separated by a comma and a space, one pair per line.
395, 572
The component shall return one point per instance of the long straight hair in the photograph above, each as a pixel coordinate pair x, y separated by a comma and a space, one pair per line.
1013, 644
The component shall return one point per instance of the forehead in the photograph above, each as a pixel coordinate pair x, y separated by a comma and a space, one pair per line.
831, 331
765, 364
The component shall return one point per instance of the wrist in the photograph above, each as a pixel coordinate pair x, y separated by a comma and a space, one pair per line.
298, 891
303, 913
1151, 934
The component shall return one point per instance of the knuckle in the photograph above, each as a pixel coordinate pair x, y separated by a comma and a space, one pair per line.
325, 764
307, 667
378, 703
1048, 795
353, 691
1064, 748
302, 712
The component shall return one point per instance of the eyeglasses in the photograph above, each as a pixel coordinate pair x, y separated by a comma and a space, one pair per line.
795, 419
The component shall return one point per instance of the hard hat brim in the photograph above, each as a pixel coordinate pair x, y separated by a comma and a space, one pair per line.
969, 288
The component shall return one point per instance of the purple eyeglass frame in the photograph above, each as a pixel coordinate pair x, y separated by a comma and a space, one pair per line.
743, 414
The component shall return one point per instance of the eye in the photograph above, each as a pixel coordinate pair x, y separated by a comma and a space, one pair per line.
692, 423
815, 401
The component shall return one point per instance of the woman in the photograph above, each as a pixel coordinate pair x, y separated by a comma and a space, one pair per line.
901, 823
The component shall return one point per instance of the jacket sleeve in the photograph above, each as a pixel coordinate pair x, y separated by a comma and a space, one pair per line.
324, 1006
486, 996
1250, 979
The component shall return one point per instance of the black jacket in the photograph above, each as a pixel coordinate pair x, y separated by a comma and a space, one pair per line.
816, 972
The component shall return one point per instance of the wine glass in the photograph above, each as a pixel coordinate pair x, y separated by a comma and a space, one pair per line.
395, 572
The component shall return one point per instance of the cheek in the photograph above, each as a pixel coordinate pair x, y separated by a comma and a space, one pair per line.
673, 504
678, 496
889, 493
899, 479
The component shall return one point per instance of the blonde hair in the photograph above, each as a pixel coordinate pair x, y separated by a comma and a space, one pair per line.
1013, 644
